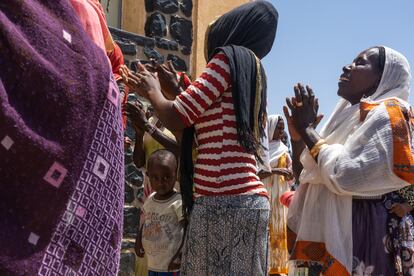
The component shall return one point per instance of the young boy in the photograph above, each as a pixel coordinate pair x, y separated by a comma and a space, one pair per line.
161, 234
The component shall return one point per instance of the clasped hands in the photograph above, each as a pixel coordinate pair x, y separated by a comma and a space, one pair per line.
303, 113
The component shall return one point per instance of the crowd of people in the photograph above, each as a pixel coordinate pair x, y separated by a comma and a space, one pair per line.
226, 192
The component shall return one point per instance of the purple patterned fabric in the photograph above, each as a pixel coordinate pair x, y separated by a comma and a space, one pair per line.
383, 242
369, 228
61, 153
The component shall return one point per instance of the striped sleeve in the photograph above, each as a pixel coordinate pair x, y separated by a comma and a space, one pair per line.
205, 90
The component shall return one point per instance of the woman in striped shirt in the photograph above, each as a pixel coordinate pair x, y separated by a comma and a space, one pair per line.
225, 106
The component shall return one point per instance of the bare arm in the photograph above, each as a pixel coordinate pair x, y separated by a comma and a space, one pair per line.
310, 136
278, 171
180, 113
139, 249
167, 142
167, 75
297, 149
305, 134
141, 125
263, 174
165, 110
138, 155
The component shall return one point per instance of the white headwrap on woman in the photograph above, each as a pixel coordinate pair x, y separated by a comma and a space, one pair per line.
273, 149
276, 185
358, 161
276, 147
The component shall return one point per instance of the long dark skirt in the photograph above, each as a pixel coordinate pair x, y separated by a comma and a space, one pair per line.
383, 242
227, 236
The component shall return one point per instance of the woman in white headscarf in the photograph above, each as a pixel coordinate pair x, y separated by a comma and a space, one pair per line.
342, 216
277, 179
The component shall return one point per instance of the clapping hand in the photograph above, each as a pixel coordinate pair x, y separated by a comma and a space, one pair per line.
167, 75
143, 82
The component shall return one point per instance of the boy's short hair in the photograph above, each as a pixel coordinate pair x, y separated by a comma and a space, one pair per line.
162, 154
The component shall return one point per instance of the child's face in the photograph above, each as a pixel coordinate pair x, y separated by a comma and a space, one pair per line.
162, 176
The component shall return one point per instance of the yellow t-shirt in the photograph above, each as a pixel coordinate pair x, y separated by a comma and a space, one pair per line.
151, 145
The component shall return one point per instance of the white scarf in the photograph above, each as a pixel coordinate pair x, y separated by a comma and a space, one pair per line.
273, 149
358, 161
276, 150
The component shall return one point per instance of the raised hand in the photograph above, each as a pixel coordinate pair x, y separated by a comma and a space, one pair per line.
293, 133
136, 114
123, 71
167, 76
143, 82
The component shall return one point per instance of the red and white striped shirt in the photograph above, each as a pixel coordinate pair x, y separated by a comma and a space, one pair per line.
222, 166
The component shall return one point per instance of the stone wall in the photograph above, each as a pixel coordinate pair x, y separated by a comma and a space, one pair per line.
200, 12
168, 37
169, 23
132, 47
168, 34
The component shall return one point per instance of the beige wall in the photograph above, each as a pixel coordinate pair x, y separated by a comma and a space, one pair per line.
204, 12
133, 16
113, 12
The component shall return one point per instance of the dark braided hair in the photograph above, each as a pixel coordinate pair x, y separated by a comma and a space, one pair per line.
245, 35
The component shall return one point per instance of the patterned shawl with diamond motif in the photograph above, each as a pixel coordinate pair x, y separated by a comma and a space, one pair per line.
61, 165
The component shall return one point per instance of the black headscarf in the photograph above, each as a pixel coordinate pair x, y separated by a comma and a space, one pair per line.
245, 35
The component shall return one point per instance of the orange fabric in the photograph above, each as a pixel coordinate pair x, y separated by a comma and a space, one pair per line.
117, 60
316, 252
365, 108
402, 155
